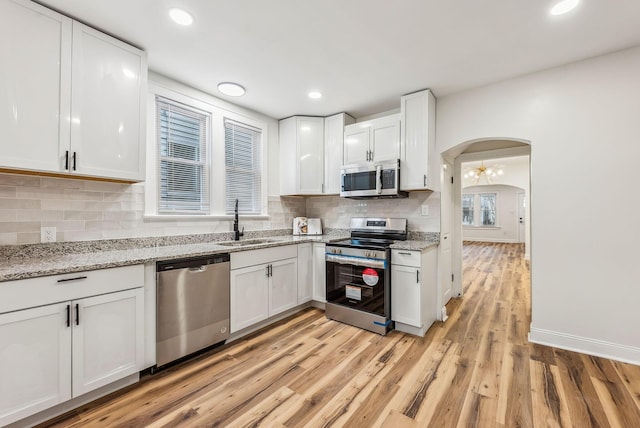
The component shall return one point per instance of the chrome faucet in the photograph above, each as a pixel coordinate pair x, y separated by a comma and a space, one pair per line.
236, 228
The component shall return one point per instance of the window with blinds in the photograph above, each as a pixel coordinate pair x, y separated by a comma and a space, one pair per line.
183, 168
243, 168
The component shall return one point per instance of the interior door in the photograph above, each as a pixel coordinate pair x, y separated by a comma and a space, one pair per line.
446, 272
522, 217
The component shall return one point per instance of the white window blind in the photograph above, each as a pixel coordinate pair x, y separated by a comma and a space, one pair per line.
243, 167
183, 169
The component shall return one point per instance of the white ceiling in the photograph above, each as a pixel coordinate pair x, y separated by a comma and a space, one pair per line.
361, 54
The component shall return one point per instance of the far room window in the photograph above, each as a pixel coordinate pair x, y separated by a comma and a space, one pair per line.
467, 209
488, 209
183, 164
243, 167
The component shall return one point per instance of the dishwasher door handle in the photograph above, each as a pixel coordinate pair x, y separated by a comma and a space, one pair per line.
198, 269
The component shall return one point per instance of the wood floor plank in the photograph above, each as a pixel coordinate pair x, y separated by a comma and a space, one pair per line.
475, 370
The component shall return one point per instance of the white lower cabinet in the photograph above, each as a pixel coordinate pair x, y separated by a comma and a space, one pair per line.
305, 273
108, 343
264, 283
319, 273
58, 351
35, 361
414, 290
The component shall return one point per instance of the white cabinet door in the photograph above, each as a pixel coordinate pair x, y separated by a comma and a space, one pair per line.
356, 144
419, 167
372, 140
385, 139
310, 155
249, 296
301, 155
334, 150
35, 76
107, 109
108, 338
35, 361
305, 273
319, 273
283, 286
406, 295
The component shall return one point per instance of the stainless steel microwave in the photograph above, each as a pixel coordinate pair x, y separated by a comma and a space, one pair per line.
371, 180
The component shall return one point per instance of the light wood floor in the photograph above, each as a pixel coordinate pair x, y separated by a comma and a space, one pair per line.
475, 370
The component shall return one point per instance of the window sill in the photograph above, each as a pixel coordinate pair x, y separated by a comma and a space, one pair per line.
188, 217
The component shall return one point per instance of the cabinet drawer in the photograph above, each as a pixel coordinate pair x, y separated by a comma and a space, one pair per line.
32, 292
405, 258
242, 259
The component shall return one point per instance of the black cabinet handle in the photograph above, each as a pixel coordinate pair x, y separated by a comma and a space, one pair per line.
74, 161
77, 314
68, 315
75, 278
66, 160
417, 276
267, 269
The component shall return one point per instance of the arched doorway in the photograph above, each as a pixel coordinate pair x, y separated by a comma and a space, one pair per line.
451, 254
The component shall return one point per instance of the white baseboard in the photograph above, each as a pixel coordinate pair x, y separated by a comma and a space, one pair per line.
585, 345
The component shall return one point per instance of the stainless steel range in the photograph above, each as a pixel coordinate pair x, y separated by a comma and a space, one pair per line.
359, 273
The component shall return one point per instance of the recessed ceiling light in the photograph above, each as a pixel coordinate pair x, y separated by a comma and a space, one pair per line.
231, 89
563, 7
180, 16
315, 95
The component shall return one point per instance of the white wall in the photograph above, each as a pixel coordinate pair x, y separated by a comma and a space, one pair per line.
583, 122
506, 229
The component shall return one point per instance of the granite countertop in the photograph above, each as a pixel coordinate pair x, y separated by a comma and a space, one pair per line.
31, 266
39, 261
415, 244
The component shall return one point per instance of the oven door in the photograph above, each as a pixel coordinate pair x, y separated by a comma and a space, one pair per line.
358, 283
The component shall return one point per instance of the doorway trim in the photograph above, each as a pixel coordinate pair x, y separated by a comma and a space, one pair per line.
456, 244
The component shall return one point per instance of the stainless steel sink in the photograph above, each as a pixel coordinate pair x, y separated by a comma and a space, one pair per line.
245, 242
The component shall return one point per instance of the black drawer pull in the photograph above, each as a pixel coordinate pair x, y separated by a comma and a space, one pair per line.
75, 278
66, 160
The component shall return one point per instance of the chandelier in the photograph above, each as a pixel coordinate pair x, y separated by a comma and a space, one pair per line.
483, 171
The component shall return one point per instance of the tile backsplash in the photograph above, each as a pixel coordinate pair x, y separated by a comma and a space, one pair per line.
336, 212
86, 210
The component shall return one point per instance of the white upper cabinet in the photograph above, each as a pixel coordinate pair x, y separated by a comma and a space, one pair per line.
333, 150
35, 79
372, 140
418, 161
301, 155
71, 98
107, 106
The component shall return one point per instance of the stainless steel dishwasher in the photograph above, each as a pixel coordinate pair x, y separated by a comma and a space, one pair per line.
192, 305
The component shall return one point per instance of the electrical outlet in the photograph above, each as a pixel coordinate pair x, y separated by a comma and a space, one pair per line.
47, 234
425, 209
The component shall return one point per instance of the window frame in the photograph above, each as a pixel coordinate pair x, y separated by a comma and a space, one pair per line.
204, 162
481, 211
473, 199
219, 111
477, 208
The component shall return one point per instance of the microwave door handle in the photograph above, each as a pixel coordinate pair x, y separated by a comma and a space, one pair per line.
378, 179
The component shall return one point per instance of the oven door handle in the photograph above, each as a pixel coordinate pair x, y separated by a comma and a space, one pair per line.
356, 261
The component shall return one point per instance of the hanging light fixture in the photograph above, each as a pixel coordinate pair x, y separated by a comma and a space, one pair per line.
483, 171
